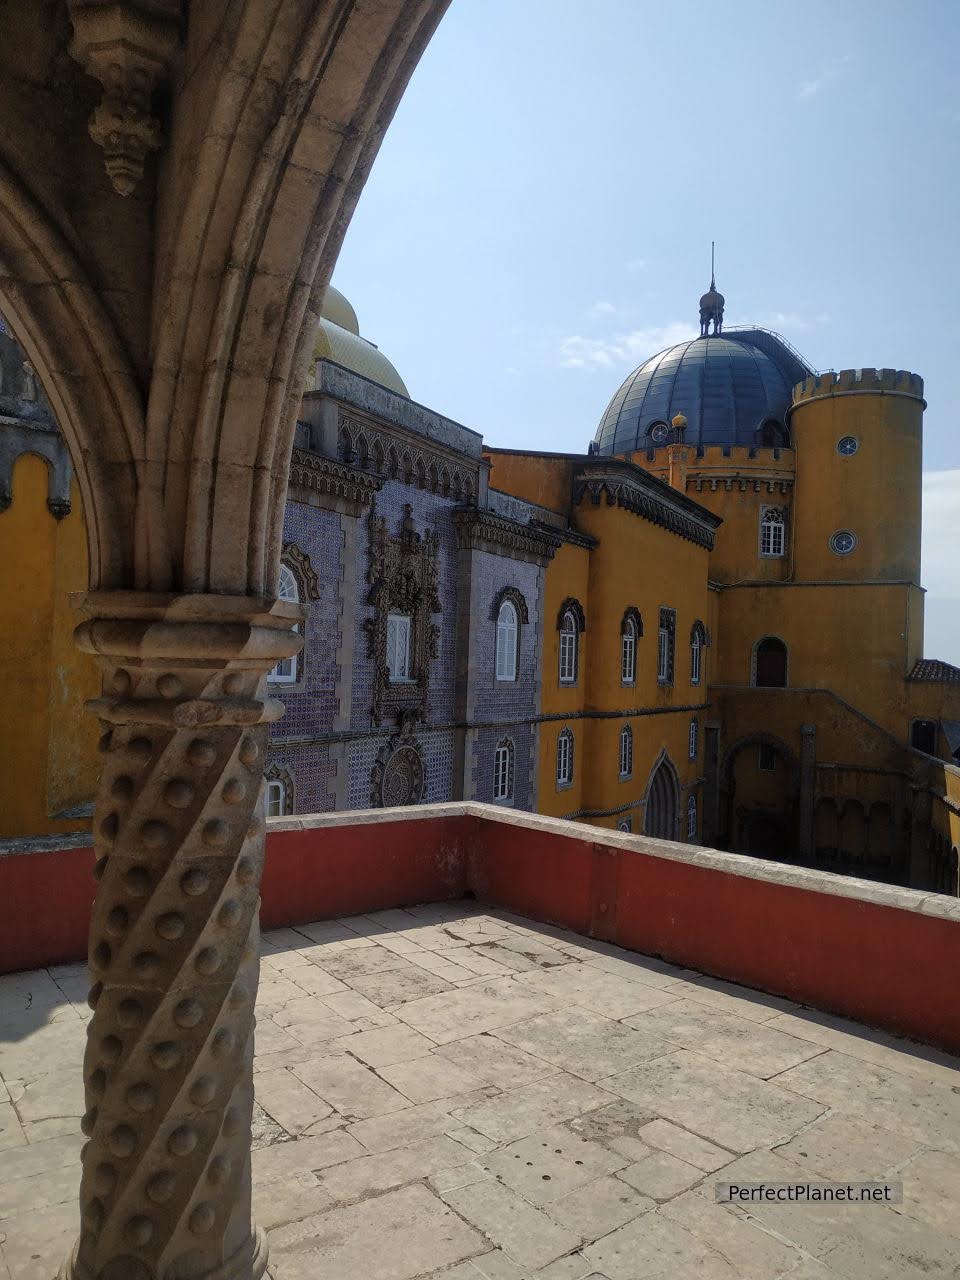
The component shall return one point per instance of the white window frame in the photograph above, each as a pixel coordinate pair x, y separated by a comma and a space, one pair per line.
696, 656
626, 753
508, 641
275, 798
773, 533
628, 653
568, 647
503, 772
693, 741
663, 655
565, 758
692, 818
287, 669
399, 647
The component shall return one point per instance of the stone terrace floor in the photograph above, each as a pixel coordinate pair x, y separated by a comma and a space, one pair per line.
448, 1091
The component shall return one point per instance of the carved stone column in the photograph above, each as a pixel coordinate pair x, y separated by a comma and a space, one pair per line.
165, 1190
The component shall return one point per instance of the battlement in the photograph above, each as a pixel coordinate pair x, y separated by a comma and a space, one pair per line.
859, 382
725, 456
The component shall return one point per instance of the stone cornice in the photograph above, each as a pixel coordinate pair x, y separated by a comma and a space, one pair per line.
484, 531
711, 482
323, 482
630, 487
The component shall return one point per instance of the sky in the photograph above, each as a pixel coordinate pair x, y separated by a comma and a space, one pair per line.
538, 221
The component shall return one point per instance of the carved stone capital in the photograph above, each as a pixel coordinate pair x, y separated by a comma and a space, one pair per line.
178, 830
128, 46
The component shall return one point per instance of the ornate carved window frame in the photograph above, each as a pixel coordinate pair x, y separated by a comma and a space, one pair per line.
403, 578
275, 773
399, 775
512, 596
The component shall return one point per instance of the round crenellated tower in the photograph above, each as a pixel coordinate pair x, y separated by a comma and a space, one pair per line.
858, 441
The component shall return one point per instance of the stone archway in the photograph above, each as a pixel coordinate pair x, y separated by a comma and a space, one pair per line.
661, 813
163, 273
760, 816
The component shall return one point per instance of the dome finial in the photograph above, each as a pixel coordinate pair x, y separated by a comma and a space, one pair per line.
711, 304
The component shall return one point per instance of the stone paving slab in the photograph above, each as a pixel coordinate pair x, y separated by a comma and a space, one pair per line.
451, 1092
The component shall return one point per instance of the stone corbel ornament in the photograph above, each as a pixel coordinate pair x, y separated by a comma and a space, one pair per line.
128, 46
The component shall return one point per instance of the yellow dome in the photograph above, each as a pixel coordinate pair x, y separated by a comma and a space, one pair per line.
338, 339
335, 307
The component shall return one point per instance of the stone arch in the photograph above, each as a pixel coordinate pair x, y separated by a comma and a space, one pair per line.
746, 824
57, 317
770, 662
853, 830
575, 609
827, 828
275, 773
632, 614
517, 598
661, 800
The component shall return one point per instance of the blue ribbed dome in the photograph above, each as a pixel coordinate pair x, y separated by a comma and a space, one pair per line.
728, 387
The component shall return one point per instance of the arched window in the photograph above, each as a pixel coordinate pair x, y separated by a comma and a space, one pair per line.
569, 646
698, 642
565, 758
508, 634
285, 672
276, 798
772, 533
692, 818
773, 435
503, 771
923, 736
770, 664
661, 817
277, 791
630, 629
625, 825
626, 752
694, 738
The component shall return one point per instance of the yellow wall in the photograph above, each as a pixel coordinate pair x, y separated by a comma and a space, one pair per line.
49, 763
607, 580
545, 479
736, 486
851, 640
875, 493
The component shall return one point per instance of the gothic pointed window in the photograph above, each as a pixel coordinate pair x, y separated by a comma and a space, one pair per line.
692, 818
694, 739
665, 646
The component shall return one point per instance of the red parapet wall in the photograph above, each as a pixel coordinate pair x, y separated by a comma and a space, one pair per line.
46, 898
345, 870
884, 964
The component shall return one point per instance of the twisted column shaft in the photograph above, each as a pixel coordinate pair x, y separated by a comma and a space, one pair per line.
178, 827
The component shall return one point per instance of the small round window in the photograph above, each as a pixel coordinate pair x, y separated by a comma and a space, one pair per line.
843, 542
847, 446
659, 431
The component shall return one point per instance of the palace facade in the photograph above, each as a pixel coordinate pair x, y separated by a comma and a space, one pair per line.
708, 627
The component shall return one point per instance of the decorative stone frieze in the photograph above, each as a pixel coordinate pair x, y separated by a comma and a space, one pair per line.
178, 830
387, 454
323, 482
647, 497
742, 483
403, 578
128, 46
483, 531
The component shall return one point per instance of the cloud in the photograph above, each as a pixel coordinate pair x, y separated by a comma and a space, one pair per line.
602, 308
577, 352
810, 88
792, 320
